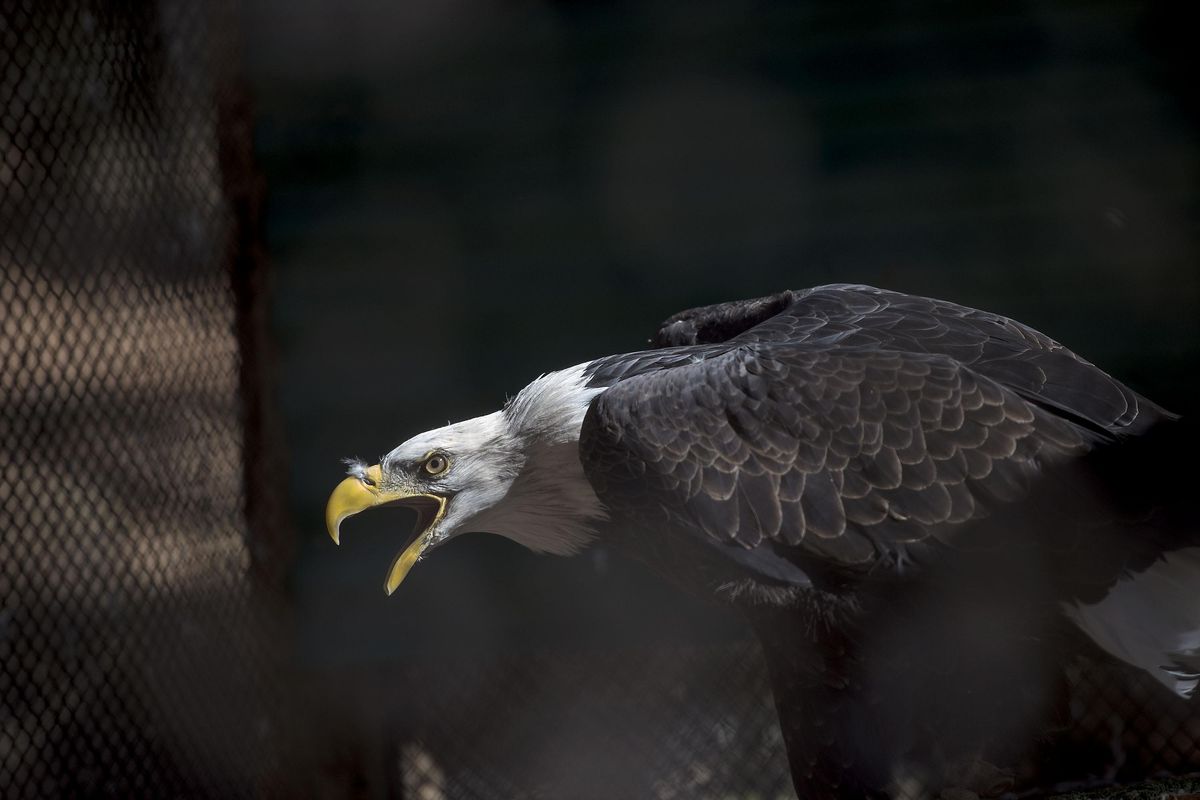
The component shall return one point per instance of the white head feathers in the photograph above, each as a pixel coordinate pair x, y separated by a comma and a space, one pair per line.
516, 472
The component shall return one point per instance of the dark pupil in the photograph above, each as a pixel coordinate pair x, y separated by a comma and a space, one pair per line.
435, 464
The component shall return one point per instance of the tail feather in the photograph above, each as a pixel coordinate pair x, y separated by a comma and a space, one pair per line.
1151, 619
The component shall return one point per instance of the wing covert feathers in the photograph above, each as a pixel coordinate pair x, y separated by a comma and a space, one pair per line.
850, 455
847, 423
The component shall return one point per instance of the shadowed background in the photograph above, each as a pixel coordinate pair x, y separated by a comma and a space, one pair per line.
423, 206
465, 195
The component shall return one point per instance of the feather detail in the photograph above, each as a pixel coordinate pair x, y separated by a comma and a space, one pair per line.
550, 506
1151, 619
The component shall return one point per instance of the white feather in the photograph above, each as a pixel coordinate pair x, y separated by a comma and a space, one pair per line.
550, 507
516, 472
1151, 620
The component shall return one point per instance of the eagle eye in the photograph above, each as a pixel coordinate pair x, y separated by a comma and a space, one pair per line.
436, 464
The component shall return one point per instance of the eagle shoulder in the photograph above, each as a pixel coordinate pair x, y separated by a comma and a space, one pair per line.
855, 456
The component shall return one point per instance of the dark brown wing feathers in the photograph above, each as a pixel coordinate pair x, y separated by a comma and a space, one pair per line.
846, 422
849, 454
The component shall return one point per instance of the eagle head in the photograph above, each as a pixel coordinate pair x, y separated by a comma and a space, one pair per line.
449, 476
515, 473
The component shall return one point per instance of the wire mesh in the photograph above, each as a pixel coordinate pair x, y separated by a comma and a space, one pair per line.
663, 722
136, 655
130, 663
672, 721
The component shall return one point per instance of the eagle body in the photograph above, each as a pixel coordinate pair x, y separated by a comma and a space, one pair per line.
920, 508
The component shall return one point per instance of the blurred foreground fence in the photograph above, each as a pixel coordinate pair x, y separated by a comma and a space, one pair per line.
143, 646
136, 656
667, 722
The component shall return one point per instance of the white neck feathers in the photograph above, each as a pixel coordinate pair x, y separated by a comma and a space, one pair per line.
550, 507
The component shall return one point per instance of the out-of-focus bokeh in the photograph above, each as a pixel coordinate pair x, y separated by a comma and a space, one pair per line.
239, 244
465, 195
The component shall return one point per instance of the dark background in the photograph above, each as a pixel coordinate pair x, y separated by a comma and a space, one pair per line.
463, 195
240, 241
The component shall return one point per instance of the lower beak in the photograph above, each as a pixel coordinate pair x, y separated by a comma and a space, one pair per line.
360, 492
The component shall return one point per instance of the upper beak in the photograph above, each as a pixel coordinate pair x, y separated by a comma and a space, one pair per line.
358, 493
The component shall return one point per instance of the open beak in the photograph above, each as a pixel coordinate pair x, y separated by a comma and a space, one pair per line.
360, 492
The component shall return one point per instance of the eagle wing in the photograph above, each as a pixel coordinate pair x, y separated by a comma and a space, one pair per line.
844, 423
850, 455
1028, 362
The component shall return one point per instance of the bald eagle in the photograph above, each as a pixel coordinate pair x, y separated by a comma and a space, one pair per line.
920, 508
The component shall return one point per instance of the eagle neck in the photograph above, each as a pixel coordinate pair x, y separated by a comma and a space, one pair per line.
550, 506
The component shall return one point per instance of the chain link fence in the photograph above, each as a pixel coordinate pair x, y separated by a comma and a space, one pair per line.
132, 658
144, 549
674, 721
668, 721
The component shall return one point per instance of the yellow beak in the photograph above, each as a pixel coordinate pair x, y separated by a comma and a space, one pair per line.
358, 493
